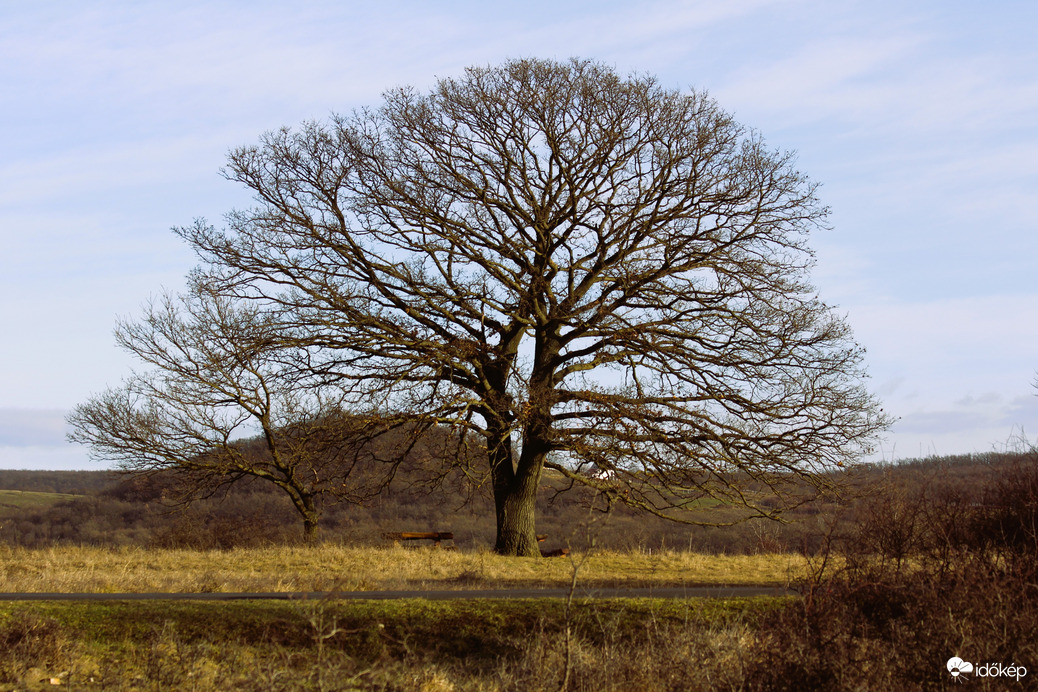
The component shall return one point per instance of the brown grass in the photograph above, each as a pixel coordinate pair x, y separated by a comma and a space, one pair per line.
385, 645
343, 568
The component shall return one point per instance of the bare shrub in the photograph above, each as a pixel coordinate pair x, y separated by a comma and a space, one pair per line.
931, 574
26, 640
607, 656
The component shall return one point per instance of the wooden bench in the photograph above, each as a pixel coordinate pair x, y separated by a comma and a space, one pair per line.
435, 536
558, 552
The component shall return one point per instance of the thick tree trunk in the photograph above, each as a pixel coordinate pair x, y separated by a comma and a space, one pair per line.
516, 510
310, 531
516, 483
307, 507
515, 498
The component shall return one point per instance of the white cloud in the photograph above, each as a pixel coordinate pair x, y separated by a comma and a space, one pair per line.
957, 372
67, 458
952, 337
32, 427
975, 424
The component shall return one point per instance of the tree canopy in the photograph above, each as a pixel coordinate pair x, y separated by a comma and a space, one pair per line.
574, 268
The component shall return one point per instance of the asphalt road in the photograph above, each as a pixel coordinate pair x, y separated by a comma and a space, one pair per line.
458, 594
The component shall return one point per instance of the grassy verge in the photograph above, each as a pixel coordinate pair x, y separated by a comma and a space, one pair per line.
410, 644
344, 568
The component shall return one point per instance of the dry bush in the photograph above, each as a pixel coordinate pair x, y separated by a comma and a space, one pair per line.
662, 657
928, 576
895, 631
28, 641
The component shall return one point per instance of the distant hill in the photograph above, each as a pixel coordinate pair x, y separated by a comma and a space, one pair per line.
39, 508
68, 482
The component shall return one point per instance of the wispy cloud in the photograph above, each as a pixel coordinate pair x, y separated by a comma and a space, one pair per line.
967, 337
957, 372
32, 428
974, 424
68, 458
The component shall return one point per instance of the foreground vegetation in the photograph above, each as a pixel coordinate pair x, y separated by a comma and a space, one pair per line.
924, 562
863, 628
405, 645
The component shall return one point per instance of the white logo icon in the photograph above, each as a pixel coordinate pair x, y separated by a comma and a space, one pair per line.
956, 666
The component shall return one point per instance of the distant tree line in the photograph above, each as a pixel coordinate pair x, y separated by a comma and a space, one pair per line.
150, 511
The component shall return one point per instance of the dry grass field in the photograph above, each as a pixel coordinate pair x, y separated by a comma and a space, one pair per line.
398, 645
409, 645
930, 566
329, 567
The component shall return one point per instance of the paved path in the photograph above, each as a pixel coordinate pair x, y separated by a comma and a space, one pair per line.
459, 594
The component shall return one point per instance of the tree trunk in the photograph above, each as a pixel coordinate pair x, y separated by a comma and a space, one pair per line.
308, 509
515, 498
516, 509
310, 531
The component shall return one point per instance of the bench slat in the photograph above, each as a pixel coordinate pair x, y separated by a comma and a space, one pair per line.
420, 535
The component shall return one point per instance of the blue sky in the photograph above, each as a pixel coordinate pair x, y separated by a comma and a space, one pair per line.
919, 119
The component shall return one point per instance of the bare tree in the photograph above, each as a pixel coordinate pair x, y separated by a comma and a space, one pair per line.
216, 377
575, 268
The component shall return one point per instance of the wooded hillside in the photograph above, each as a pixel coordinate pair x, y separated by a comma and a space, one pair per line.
117, 509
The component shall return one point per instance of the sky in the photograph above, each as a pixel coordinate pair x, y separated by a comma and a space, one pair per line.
918, 118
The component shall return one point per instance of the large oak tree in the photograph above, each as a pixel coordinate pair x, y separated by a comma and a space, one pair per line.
579, 270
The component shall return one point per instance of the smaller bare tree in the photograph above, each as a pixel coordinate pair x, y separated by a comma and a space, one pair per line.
223, 400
